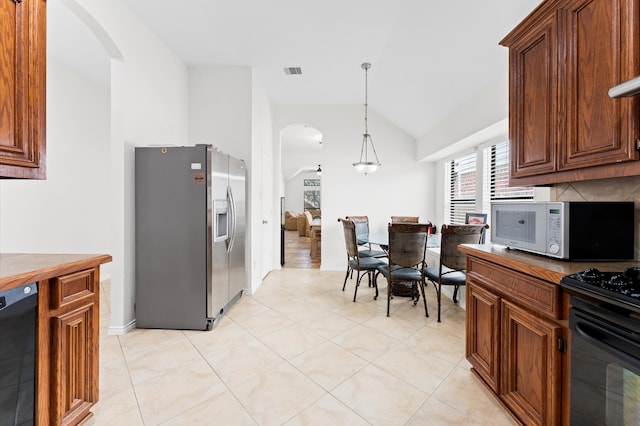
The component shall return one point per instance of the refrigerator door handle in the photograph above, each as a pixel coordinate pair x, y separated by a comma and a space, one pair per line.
232, 210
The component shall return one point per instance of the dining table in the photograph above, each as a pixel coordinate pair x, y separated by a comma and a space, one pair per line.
315, 235
382, 240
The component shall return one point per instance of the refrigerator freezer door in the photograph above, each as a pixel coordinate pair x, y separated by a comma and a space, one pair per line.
172, 228
237, 195
219, 285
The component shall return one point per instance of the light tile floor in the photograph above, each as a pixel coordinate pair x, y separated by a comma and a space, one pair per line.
298, 352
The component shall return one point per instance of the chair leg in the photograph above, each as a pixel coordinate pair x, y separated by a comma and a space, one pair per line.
455, 294
388, 295
424, 299
375, 284
358, 279
345, 278
439, 299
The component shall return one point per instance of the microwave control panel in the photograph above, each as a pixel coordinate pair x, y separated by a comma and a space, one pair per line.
555, 228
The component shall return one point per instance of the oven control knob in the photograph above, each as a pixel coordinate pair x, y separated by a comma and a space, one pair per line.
554, 248
632, 273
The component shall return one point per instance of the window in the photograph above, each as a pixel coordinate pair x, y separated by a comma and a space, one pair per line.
487, 173
462, 192
496, 188
311, 197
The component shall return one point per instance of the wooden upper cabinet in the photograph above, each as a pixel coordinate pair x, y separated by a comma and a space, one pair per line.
600, 45
563, 59
22, 88
532, 104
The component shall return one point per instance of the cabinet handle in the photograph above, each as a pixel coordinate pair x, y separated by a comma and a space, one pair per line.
17, 1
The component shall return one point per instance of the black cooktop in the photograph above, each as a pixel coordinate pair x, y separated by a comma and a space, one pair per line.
618, 288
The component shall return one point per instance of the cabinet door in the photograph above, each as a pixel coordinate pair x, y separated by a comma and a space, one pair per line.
22, 88
531, 366
483, 331
74, 361
532, 100
601, 52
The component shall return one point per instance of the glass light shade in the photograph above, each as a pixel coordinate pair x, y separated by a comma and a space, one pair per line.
366, 167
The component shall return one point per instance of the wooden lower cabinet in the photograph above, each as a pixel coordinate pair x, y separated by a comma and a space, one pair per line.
68, 343
74, 381
515, 340
483, 325
67, 330
531, 366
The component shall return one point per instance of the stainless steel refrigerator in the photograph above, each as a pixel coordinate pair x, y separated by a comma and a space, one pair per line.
189, 235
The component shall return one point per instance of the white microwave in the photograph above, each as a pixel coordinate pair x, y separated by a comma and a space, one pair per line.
566, 230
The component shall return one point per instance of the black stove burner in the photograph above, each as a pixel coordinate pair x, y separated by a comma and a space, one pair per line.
620, 288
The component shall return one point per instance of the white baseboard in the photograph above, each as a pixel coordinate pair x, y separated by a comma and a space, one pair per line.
120, 330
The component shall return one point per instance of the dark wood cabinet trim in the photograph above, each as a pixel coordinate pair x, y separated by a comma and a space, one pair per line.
585, 135
23, 127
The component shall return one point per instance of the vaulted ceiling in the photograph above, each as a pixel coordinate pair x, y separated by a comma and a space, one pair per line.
428, 56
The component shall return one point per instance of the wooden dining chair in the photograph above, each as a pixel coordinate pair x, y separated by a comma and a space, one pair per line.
406, 254
452, 266
362, 237
361, 265
476, 219
405, 219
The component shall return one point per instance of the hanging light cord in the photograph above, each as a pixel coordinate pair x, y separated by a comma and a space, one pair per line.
366, 67
365, 148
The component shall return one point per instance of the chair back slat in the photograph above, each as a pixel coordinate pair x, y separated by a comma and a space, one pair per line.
362, 228
405, 219
407, 243
452, 237
350, 237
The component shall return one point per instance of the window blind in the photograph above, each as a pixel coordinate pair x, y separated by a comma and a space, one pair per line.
496, 163
462, 191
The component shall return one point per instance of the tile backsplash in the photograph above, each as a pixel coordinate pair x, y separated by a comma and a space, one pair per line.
614, 189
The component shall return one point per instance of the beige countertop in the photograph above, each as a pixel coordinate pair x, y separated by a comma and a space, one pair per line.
22, 268
540, 266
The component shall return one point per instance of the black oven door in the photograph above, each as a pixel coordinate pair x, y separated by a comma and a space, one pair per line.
605, 368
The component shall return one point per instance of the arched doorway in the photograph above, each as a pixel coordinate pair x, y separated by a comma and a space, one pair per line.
301, 148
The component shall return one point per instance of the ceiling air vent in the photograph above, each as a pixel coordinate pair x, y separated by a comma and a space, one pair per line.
293, 71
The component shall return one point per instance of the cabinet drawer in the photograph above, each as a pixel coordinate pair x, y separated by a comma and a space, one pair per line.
533, 293
73, 288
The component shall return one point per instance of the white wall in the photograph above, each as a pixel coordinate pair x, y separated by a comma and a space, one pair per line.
229, 109
402, 186
68, 212
293, 186
148, 106
481, 112
264, 214
294, 190
221, 113
220, 100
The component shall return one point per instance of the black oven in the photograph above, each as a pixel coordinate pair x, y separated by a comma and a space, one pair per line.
605, 366
18, 313
604, 320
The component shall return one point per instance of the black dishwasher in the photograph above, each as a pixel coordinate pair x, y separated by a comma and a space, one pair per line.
18, 313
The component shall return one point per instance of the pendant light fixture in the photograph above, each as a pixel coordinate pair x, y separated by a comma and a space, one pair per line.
319, 171
366, 165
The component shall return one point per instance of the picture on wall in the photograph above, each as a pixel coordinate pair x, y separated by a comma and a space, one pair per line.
312, 182
311, 200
